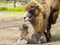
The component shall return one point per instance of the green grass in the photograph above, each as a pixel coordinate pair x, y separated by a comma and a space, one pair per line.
3, 9
59, 13
15, 9
12, 9
22, 4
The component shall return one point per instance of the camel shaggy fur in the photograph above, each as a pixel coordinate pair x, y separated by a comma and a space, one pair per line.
54, 7
45, 11
38, 15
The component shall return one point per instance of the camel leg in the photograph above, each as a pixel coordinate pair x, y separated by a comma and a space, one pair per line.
48, 34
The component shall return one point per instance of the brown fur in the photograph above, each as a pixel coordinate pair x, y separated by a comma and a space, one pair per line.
53, 16
55, 6
52, 8
38, 22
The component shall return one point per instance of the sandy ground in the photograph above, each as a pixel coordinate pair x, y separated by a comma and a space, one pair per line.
9, 29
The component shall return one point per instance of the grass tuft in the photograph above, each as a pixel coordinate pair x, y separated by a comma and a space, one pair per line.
12, 9
3, 9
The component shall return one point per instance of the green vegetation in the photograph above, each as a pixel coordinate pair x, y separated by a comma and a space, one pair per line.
20, 10
12, 9
3, 8
59, 13
22, 4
